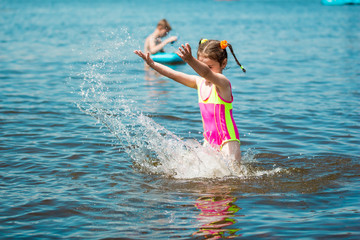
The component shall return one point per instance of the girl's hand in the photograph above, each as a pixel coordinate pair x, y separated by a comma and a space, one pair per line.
185, 52
146, 57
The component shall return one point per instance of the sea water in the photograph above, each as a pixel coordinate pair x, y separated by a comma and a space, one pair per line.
94, 146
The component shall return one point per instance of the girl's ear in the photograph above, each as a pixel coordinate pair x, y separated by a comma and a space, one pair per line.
224, 63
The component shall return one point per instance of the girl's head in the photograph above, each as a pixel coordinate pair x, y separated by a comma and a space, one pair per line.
216, 51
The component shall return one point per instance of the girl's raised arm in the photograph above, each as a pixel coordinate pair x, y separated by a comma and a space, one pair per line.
185, 79
202, 69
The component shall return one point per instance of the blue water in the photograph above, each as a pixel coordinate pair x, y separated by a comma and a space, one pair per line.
94, 147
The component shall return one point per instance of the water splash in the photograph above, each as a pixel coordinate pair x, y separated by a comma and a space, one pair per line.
105, 95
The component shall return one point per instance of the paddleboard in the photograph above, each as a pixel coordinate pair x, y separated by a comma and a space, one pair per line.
167, 58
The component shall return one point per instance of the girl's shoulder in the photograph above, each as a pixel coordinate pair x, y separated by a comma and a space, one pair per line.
225, 82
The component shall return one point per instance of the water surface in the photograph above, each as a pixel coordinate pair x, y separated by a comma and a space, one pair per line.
94, 147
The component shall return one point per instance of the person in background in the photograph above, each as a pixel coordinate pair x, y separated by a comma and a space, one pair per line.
153, 43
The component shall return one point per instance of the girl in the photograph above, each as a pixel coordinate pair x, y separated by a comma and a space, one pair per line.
214, 91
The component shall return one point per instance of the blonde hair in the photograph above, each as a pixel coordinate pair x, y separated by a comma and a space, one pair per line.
164, 24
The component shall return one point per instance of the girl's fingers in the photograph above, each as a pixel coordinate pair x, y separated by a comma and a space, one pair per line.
186, 48
183, 50
142, 55
139, 53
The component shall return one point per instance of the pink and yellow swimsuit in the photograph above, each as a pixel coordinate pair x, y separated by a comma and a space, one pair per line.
218, 122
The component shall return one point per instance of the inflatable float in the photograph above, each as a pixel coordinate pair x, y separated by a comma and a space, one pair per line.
339, 2
167, 58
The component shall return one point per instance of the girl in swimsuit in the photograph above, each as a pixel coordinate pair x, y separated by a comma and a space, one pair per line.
214, 91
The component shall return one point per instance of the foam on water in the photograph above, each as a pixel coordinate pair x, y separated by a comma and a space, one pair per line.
152, 148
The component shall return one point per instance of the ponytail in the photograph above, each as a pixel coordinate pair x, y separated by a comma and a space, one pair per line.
237, 61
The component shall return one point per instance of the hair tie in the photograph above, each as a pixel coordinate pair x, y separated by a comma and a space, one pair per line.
223, 44
203, 40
